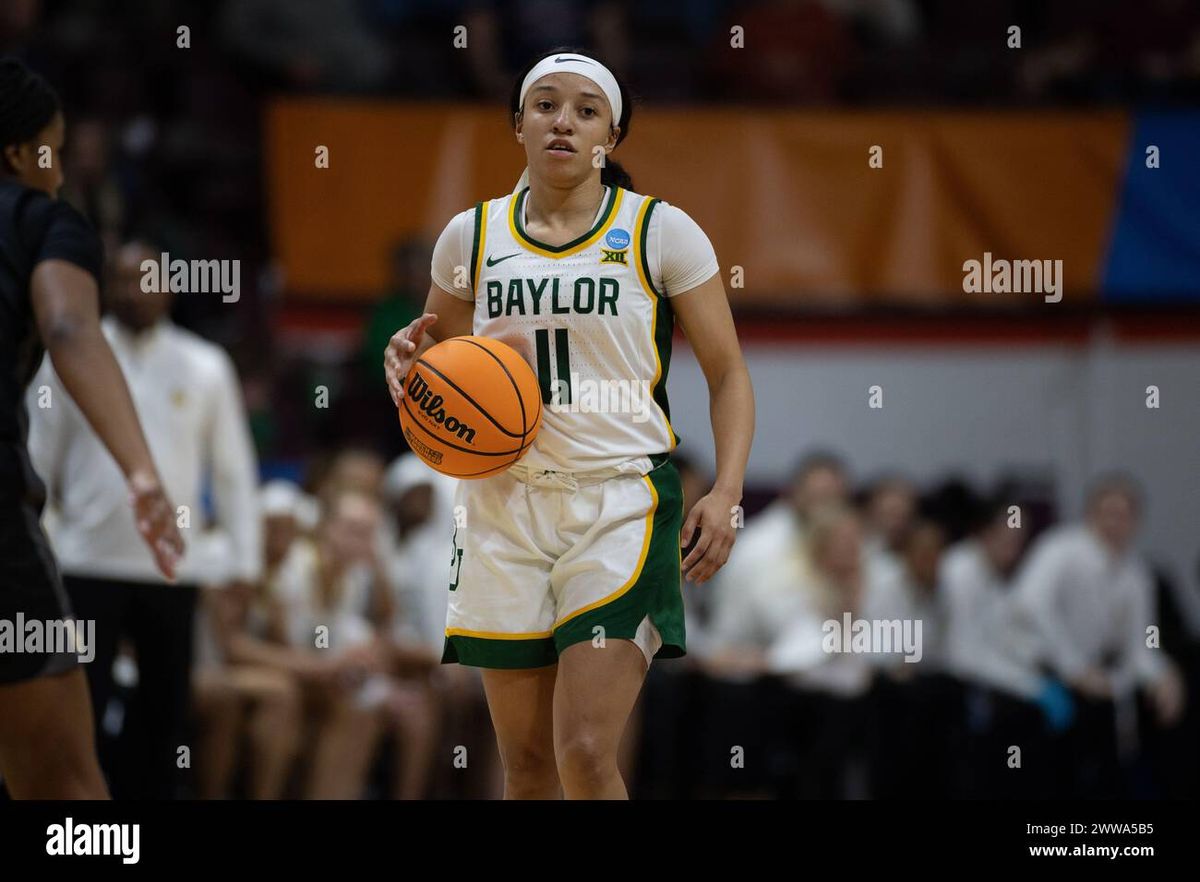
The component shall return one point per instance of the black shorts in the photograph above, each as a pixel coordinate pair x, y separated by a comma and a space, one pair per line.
31, 590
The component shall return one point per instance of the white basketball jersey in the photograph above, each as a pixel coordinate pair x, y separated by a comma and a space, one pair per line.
588, 320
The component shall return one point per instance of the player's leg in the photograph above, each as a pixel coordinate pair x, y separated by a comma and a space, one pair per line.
47, 743
521, 703
500, 616
593, 697
619, 606
46, 746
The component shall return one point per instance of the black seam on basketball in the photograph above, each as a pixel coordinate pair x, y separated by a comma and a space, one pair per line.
417, 422
500, 468
511, 379
475, 403
520, 453
516, 456
469, 475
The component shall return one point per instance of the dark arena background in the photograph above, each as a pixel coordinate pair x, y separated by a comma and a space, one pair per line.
961, 245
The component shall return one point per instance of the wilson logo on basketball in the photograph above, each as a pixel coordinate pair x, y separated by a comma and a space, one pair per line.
495, 399
431, 405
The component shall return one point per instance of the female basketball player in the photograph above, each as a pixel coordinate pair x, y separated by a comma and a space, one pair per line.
565, 577
49, 265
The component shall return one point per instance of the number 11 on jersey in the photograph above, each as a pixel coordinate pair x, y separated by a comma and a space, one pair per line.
551, 386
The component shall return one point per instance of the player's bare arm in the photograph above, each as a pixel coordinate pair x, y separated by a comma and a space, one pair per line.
703, 313
66, 307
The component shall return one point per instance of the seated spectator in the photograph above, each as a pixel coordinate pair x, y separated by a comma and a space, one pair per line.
323, 602
237, 703
907, 590
992, 650
823, 728
1090, 596
837, 585
762, 584
359, 469
239, 697
889, 511
418, 521
986, 642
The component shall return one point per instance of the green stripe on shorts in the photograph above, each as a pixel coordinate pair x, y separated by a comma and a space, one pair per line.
488, 652
656, 593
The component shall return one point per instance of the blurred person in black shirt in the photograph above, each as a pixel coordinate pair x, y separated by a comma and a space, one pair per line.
50, 261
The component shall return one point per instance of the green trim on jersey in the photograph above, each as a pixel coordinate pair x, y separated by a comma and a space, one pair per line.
486, 652
475, 245
664, 329
651, 204
657, 591
519, 210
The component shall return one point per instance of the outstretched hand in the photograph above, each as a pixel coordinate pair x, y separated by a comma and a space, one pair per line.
155, 519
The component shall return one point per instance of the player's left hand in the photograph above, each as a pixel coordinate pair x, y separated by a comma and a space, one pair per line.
712, 516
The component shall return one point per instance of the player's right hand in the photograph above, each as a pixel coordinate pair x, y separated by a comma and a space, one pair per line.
155, 519
401, 350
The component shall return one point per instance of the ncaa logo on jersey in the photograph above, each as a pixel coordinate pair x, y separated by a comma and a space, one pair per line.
617, 238
618, 245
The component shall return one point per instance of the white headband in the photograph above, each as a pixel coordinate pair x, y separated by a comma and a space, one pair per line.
570, 62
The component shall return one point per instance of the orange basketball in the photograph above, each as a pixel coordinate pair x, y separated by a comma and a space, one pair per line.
471, 408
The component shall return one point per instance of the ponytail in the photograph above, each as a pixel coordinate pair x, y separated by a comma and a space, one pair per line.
613, 174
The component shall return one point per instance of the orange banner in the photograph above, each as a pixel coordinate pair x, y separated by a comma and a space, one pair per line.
790, 197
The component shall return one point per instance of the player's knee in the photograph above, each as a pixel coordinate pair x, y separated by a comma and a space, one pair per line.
584, 757
529, 764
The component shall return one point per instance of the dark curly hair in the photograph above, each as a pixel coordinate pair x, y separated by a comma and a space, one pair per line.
27, 104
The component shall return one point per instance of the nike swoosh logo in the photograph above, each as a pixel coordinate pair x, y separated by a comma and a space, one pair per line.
491, 262
559, 60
